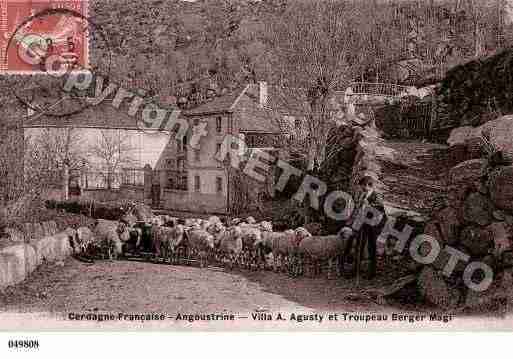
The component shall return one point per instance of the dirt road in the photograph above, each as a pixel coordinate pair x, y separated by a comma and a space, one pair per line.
142, 287
54, 291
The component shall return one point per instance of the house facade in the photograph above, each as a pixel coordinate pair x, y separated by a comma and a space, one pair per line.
93, 133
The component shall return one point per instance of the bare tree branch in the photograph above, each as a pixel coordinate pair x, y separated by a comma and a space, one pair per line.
114, 152
321, 47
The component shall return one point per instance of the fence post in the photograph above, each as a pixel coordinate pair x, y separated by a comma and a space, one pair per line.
148, 182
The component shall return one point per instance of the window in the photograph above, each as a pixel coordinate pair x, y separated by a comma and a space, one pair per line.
184, 143
196, 122
218, 147
183, 183
197, 184
170, 163
133, 177
197, 155
219, 185
180, 164
219, 122
177, 181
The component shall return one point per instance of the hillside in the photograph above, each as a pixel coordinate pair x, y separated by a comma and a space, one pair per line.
178, 49
218, 43
181, 48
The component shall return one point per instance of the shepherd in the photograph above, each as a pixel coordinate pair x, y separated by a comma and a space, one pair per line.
367, 234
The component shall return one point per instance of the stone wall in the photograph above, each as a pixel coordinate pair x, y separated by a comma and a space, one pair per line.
134, 193
194, 202
22, 251
477, 220
101, 195
365, 162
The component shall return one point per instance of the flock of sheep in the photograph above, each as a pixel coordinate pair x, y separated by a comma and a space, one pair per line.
239, 243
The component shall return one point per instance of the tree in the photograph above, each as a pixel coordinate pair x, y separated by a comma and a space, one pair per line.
321, 47
53, 154
476, 17
11, 163
31, 161
114, 152
502, 10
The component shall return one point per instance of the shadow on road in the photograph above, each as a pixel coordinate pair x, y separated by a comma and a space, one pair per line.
325, 294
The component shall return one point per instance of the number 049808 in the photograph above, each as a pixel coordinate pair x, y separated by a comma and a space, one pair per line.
23, 344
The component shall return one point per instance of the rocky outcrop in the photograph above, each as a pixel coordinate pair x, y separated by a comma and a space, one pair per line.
500, 186
411, 176
467, 142
478, 225
477, 209
435, 290
470, 93
477, 218
468, 172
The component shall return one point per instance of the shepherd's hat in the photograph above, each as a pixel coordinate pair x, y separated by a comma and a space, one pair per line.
346, 231
368, 176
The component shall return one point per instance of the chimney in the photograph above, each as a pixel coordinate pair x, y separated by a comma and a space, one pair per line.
262, 85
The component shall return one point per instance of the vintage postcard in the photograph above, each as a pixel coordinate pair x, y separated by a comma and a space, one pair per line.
256, 165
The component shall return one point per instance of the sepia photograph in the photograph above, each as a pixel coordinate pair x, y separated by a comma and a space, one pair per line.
255, 166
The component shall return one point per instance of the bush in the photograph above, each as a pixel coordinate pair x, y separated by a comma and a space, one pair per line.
71, 206
24, 209
98, 210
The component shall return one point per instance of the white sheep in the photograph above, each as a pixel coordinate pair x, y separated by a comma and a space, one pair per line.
202, 243
166, 240
112, 234
266, 226
318, 249
229, 244
283, 245
84, 239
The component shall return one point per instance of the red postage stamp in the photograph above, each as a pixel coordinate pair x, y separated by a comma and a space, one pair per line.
38, 36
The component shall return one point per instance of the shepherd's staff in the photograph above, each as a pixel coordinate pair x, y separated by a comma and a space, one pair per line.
359, 244
358, 256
